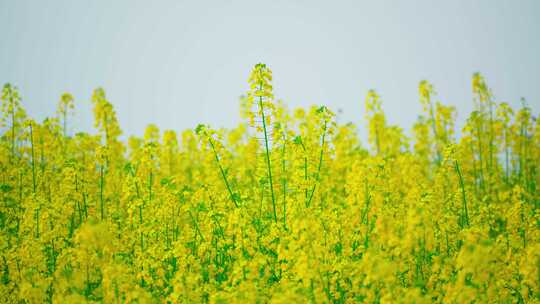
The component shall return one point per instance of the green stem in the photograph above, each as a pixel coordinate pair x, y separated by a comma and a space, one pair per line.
284, 182
480, 157
491, 137
506, 153
37, 223
101, 181
33, 161
305, 171
150, 182
306, 190
268, 159
13, 131
223, 175
196, 224
141, 234
464, 198
317, 178
435, 135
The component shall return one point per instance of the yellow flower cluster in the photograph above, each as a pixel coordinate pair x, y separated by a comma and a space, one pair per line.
286, 207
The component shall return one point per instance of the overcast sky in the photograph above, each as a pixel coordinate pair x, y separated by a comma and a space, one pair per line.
180, 63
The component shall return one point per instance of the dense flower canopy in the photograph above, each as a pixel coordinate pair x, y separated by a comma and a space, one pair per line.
287, 207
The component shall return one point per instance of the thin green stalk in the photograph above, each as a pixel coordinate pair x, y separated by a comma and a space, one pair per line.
491, 137
101, 181
464, 198
42, 155
475, 174
305, 170
140, 224
268, 159
223, 175
317, 177
480, 156
365, 212
196, 224
434, 127
284, 180
150, 182
367, 201
506, 153
520, 173
132, 173
79, 209
12, 132
37, 223
80, 212
85, 205
33, 161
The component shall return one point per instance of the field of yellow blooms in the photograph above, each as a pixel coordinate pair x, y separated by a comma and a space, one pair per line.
288, 207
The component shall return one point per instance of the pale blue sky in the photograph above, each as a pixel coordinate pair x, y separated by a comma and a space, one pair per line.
180, 63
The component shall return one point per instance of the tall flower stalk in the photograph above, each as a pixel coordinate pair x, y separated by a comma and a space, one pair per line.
260, 93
